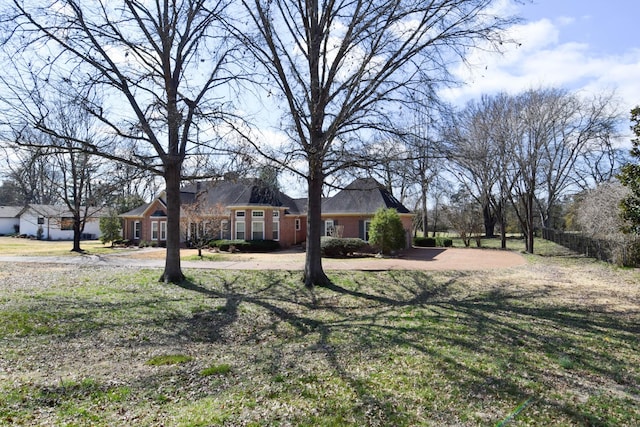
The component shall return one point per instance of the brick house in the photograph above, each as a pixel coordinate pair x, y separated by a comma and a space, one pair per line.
349, 212
243, 209
246, 209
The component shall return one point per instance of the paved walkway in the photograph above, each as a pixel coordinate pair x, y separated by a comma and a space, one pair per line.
413, 259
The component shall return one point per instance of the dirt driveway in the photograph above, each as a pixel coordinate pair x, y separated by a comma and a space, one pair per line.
412, 259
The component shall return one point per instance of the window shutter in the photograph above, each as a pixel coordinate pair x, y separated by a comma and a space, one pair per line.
361, 229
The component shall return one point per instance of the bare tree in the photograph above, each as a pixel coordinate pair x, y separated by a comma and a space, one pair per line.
478, 146
528, 149
149, 71
598, 216
338, 69
424, 152
29, 169
202, 222
472, 149
84, 180
555, 129
464, 217
582, 126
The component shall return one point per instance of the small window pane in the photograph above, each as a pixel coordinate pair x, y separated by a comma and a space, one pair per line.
240, 230
66, 223
257, 230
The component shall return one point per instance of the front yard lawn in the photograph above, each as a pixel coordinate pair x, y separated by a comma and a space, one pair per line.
555, 342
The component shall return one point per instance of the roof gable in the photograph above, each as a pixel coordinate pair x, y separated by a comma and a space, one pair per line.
246, 192
10, 211
364, 196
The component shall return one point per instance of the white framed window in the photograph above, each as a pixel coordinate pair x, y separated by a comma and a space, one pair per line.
240, 214
276, 230
328, 227
154, 230
224, 229
163, 230
276, 214
297, 224
366, 230
257, 214
136, 230
240, 230
257, 230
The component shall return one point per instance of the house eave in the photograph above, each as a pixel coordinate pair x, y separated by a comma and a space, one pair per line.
354, 214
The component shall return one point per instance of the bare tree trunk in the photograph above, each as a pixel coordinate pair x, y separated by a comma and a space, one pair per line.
77, 232
529, 222
503, 224
425, 230
313, 272
172, 269
489, 220
435, 219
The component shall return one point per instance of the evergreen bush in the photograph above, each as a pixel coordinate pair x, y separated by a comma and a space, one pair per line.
333, 247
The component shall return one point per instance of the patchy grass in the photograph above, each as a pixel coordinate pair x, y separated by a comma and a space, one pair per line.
541, 247
222, 369
11, 246
169, 359
554, 342
206, 256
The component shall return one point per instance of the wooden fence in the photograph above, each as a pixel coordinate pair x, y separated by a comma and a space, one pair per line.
620, 253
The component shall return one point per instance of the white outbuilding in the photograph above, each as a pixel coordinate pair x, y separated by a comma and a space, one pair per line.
55, 222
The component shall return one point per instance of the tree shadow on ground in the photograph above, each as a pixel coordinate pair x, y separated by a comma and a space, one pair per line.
499, 324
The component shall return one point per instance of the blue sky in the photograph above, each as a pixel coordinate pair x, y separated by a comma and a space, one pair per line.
588, 46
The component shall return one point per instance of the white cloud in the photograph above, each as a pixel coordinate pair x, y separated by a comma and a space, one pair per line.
541, 60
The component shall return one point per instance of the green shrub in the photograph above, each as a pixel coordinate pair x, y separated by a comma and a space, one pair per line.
246, 245
340, 247
444, 242
424, 242
263, 245
216, 243
432, 242
110, 228
386, 231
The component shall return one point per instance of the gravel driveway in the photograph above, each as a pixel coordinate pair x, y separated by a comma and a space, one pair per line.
412, 259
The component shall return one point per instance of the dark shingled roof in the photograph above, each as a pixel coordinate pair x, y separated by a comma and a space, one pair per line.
241, 192
137, 211
364, 195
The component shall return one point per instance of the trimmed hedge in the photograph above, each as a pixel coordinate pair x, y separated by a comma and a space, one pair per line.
340, 247
444, 242
432, 242
424, 242
246, 245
